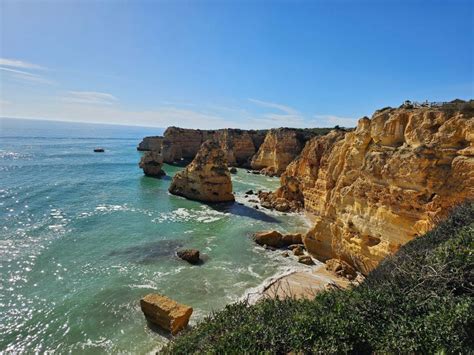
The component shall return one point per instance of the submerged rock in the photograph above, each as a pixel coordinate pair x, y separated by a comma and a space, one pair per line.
165, 312
207, 178
190, 255
151, 163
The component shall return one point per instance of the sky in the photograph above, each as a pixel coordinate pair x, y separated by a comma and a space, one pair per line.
229, 63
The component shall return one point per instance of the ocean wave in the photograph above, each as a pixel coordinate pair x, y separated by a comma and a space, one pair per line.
202, 215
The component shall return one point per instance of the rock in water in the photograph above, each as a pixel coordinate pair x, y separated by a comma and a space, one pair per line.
190, 255
165, 313
207, 178
305, 259
233, 170
151, 164
275, 239
269, 238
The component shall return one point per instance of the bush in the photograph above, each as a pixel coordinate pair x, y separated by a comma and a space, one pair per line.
418, 300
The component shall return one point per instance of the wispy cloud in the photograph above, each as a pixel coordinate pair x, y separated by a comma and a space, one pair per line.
14, 63
280, 107
337, 120
286, 116
17, 69
90, 97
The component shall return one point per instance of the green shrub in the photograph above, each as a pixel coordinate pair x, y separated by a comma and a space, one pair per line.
418, 300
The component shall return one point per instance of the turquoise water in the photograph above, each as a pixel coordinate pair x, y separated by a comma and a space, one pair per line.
84, 236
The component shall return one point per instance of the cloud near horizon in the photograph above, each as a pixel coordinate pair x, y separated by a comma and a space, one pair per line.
103, 107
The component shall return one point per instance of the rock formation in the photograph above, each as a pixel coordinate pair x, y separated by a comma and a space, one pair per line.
298, 182
151, 163
280, 147
207, 178
182, 144
150, 143
374, 189
165, 313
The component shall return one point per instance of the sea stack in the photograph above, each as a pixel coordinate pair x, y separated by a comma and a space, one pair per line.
151, 164
207, 178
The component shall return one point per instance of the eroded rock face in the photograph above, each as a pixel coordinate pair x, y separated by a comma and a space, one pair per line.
150, 143
280, 147
299, 181
182, 144
207, 178
387, 182
151, 163
165, 312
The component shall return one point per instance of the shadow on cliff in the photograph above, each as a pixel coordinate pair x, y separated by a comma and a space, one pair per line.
244, 211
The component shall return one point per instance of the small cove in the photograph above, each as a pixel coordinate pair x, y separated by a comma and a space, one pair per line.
85, 235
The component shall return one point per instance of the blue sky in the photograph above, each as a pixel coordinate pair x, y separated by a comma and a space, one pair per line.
213, 64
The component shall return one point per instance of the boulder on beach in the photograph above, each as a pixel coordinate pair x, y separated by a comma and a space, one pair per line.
165, 312
190, 255
341, 268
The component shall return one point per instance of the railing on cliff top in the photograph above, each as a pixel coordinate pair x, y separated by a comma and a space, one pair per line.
417, 104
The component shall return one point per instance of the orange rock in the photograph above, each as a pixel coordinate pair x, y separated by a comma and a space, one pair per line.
166, 313
207, 178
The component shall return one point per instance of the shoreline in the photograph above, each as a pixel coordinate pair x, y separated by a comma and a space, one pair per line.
295, 281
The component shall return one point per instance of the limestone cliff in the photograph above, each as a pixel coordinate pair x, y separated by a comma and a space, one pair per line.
299, 181
280, 147
182, 144
207, 178
150, 143
374, 189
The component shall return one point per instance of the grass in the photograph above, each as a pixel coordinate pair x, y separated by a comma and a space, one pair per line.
418, 300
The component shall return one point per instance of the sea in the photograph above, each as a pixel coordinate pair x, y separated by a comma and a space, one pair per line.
84, 235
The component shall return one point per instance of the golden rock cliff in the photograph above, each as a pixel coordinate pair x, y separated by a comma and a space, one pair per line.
207, 178
374, 189
182, 144
280, 147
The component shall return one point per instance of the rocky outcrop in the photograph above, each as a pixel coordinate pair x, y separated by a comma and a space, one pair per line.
165, 313
207, 178
151, 163
150, 143
280, 147
239, 145
299, 181
376, 188
180, 145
